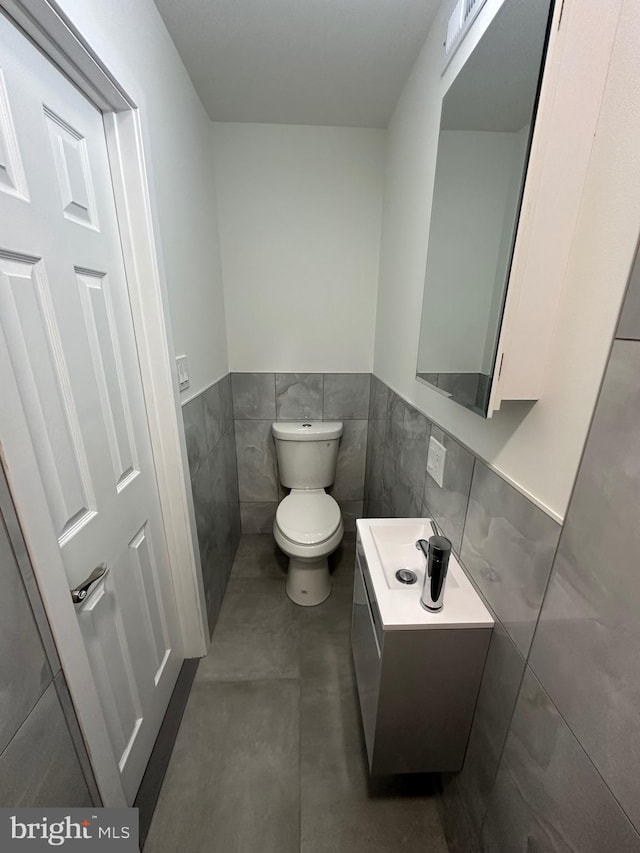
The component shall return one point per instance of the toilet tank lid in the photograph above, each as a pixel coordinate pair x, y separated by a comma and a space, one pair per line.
307, 430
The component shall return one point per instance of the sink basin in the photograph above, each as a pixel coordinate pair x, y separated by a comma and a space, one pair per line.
386, 545
396, 547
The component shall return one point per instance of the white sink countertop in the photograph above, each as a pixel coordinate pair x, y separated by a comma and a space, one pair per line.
389, 544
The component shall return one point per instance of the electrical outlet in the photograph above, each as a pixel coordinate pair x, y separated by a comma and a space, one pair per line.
183, 372
436, 459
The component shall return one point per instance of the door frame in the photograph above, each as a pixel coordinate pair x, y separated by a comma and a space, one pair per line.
132, 180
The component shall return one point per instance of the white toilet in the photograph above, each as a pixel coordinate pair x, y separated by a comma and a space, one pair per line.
308, 525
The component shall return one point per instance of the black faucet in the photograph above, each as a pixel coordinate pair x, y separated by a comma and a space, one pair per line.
437, 552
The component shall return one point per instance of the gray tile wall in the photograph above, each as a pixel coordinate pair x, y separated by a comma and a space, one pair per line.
261, 398
213, 468
547, 794
587, 646
43, 760
552, 757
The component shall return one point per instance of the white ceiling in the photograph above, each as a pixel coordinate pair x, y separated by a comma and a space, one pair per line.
327, 62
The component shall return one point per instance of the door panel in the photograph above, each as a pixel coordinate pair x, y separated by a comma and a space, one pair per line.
34, 346
102, 332
72, 169
12, 178
153, 616
108, 649
67, 336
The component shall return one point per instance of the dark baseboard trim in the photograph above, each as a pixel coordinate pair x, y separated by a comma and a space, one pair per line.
153, 778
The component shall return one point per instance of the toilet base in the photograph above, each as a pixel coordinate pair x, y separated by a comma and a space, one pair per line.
308, 581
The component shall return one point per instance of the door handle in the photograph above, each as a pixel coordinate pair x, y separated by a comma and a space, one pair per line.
80, 592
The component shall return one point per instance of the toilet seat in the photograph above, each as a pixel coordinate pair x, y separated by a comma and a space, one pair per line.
308, 516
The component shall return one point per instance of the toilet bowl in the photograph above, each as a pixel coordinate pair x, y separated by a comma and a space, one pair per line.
308, 528
308, 524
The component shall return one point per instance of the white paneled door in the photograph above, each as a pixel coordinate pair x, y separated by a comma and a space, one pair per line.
73, 423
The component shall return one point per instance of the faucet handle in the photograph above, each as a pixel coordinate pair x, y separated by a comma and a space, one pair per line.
423, 545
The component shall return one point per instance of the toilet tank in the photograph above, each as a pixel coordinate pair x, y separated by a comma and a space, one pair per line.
307, 453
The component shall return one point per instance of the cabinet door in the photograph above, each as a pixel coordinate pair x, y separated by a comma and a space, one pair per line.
366, 658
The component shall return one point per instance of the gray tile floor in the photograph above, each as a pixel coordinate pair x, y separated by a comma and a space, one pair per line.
270, 754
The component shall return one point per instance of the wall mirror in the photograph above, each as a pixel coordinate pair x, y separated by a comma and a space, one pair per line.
486, 128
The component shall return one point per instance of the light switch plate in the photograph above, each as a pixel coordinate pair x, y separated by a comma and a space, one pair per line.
436, 460
183, 372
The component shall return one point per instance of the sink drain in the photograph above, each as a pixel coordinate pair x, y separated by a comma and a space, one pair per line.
406, 576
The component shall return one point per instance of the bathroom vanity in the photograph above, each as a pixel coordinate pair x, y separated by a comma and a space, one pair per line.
418, 673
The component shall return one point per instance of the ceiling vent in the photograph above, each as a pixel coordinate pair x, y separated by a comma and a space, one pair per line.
459, 22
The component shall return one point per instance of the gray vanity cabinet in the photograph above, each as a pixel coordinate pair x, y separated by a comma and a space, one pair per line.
417, 687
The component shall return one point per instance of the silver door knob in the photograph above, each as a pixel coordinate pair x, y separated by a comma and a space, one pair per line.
80, 592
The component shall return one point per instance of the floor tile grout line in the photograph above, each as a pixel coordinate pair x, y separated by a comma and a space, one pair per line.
259, 678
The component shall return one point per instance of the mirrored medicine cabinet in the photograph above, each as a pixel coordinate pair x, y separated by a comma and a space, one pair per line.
491, 92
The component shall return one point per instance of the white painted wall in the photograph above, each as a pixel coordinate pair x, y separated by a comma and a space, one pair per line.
470, 196
133, 42
299, 215
537, 446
